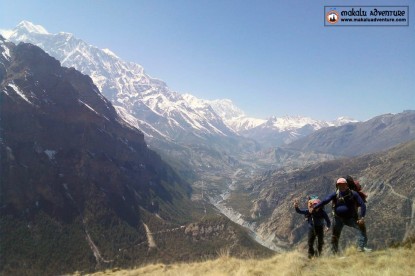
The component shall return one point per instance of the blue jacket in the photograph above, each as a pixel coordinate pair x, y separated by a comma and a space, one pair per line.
345, 204
316, 217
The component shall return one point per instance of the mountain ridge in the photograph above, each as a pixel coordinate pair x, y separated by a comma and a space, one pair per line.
80, 184
149, 99
124, 83
353, 139
387, 177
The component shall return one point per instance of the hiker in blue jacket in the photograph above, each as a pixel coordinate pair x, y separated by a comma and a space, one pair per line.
345, 212
315, 225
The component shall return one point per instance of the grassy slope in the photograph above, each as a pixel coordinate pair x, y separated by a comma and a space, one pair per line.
399, 261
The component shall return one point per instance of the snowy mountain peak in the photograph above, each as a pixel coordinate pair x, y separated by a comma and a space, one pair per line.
293, 122
31, 28
226, 109
233, 116
342, 121
128, 86
158, 110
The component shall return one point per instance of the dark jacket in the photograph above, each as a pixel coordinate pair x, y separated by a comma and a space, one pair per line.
316, 218
345, 204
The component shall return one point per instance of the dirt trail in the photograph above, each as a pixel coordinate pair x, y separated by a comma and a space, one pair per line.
95, 250
150, 239
411, 224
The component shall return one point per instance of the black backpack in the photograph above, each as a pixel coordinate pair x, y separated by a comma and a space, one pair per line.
354, 185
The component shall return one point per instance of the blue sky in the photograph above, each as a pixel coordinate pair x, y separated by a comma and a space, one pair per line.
271, 58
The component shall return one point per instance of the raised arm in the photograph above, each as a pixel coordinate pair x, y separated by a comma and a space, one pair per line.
329, 198
301, 211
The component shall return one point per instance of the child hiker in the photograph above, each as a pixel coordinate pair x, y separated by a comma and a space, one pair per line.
315, 221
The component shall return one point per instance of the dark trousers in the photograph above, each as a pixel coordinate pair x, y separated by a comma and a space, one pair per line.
318, 232
337, 230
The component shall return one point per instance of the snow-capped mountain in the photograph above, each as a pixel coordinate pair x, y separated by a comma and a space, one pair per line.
158, 110
237, 120
73, 173
284, 130
342, 121
226, 109
274, 131
149, 104
234, 117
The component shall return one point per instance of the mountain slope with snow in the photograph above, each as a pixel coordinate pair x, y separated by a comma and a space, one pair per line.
272, 132
80, 189
234, 117
151, 106
126, 85
284, 130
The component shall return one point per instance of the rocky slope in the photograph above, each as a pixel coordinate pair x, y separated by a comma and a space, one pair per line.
387, 177
80, 189
353, 139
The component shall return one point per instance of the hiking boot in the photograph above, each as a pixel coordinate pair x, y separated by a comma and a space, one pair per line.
364, 249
